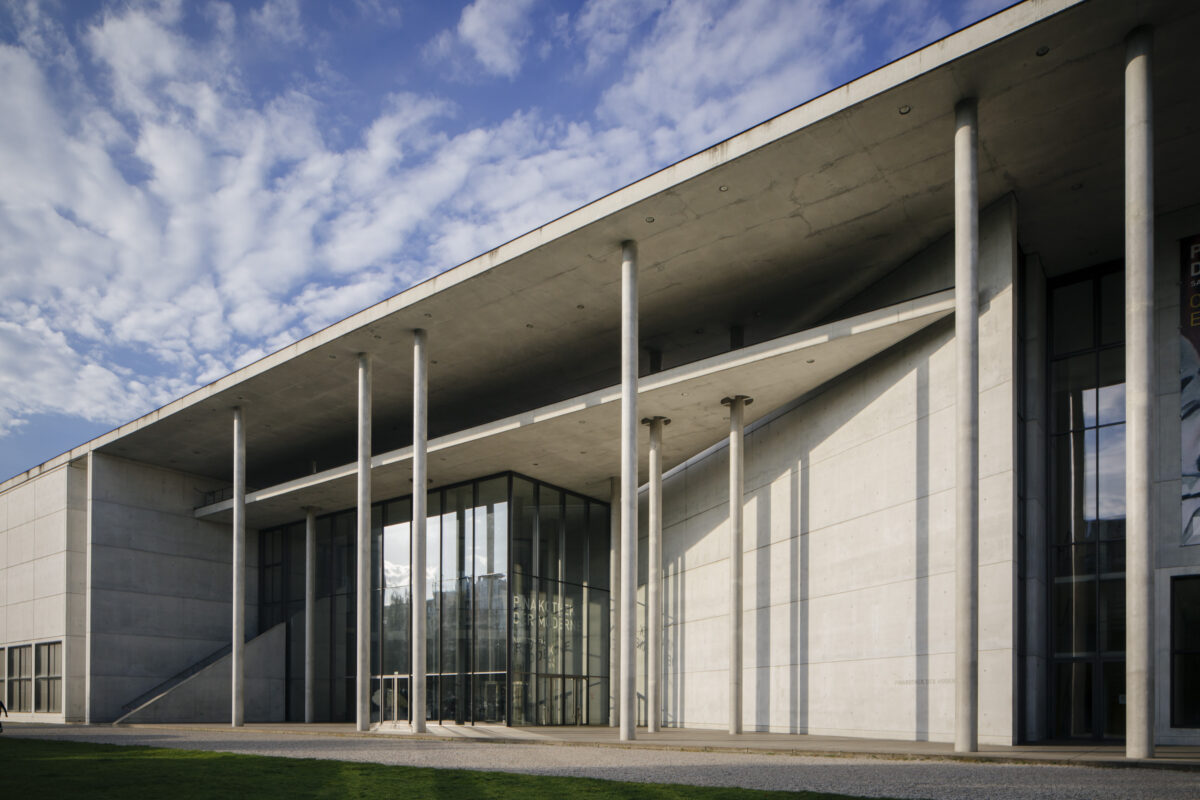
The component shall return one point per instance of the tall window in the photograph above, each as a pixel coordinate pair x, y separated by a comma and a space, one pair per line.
1185, 651
559, 545
20, 678
1087, 504
48, 686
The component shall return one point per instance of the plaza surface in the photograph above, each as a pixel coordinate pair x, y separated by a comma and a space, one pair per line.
872, 768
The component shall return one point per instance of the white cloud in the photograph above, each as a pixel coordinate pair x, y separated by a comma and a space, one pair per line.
279, 19
497, 31
605, 27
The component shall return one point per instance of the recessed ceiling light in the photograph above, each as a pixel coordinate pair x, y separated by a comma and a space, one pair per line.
722, 188
904, 109
649, 219
1041, 51
810, 361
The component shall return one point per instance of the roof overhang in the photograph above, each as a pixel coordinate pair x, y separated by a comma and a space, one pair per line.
575, 440
819, 202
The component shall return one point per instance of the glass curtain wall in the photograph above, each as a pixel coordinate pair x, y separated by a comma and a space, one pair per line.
1087, 505
560, 607
471, 531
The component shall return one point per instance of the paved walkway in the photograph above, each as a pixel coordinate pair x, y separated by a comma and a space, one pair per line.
764, 761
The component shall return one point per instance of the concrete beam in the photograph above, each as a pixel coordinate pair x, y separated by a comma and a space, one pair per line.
1139, 397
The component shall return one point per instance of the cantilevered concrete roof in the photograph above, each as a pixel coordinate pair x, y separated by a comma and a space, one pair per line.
771, 230
573, 442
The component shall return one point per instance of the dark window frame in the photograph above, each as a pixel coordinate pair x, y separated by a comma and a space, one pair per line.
1179, 580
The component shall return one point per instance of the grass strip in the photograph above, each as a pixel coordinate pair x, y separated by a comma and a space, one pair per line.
35, 768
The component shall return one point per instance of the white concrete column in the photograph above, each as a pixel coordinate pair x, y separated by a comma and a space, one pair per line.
737, 485
1139, 397
310, 620
362, 634
654, 579
614, 601
629, 486
416, 688
237, 714
966, 335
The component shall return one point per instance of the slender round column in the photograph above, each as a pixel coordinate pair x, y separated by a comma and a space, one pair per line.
1139, 398
966, 336
629, 486
238, 661
310, 620
614, 601
737, 486
654, 579
362, 633
416, 689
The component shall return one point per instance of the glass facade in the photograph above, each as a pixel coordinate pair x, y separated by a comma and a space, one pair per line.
1086, 538
478, 534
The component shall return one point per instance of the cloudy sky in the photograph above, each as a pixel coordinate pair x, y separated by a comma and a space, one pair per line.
188, 186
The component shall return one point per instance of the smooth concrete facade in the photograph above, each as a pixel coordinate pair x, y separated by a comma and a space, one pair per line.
848, 554
809, 264
43, 569
159, 582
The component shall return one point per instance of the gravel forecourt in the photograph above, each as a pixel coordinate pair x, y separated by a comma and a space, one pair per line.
872, 777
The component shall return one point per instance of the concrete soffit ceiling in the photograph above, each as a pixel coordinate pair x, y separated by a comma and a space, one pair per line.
571, 442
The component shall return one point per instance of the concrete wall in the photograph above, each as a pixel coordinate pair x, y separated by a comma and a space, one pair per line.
849, 539
160, 580
206, 696
42, 563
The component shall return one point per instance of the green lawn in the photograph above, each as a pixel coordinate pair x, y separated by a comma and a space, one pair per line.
32, 768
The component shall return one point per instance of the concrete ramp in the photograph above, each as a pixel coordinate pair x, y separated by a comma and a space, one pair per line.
205, 695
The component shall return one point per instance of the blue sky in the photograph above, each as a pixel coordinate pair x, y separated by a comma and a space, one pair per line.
187, 187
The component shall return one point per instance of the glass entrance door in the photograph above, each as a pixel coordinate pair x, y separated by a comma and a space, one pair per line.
393, 702
1086, 525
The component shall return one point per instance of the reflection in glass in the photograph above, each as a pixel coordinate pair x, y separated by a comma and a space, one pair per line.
1073, 317
1110, 469
1074, 616
1074, 486
1087, 505
557, 631
1073, 383
1073, 695
1110, 396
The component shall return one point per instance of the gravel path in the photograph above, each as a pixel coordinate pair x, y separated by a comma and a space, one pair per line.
855, 776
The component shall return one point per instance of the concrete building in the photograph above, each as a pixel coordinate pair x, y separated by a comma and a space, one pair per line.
878, 419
